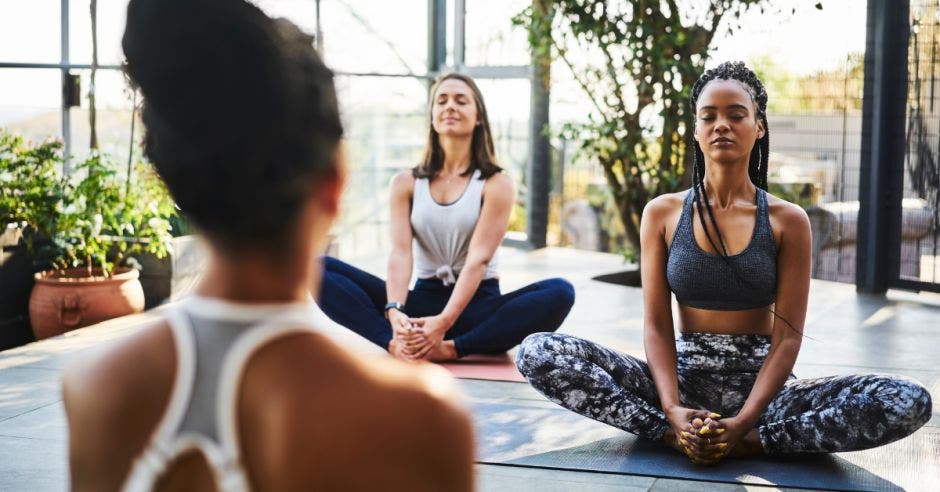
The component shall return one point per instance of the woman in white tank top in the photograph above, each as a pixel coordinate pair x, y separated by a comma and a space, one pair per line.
448, 217
235, 389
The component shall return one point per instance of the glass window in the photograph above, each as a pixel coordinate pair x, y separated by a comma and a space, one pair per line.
386, 127
111, 17
29, 31
113, 116
491, 39
30, 101
375, 37
507, 102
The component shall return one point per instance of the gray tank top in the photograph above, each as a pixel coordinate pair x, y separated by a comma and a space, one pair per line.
214, 339
442, 232
745, 280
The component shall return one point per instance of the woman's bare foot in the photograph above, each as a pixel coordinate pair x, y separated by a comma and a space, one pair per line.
444, 351
669, 439
748, 447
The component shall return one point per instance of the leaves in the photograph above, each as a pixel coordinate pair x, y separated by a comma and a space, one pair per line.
90, 218
101, 219
29, 178
635, 60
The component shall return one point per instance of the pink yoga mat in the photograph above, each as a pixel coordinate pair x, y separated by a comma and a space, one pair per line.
498, 367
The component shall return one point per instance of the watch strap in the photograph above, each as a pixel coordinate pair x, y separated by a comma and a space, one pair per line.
394, 305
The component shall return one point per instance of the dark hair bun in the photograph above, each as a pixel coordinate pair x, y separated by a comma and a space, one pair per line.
241, 114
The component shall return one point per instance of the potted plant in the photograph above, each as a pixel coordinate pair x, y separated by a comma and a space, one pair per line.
101, 220
30, 188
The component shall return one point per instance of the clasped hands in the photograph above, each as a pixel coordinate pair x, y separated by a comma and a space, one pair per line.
704, 436
415, 338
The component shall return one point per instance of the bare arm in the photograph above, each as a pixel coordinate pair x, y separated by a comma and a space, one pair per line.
793, 273
400, 260
659, 337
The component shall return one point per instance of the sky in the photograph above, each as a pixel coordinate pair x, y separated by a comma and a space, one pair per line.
808, 41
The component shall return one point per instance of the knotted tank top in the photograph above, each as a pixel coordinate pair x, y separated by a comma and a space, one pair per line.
214, 340
745, 280
442, 232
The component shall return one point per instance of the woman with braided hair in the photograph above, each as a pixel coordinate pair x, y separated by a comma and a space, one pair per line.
738, 261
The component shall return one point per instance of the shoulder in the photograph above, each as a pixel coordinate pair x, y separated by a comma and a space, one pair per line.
101, 382
118, 390
665, 205
304, 398
308, 372
499, 183
403, 181
787, 215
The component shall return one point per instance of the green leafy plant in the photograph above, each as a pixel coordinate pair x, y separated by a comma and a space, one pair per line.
94, 218
31, 184
100, 222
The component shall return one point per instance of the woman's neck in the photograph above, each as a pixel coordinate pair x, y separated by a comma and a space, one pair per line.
456, 155
726, 184
257, 279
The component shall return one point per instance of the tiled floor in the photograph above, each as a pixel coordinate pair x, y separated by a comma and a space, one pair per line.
848, 333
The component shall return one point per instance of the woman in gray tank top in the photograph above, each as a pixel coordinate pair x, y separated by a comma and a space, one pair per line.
448, 217
237, 388
738, 261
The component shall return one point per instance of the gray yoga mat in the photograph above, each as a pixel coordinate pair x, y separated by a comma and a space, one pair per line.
541, 436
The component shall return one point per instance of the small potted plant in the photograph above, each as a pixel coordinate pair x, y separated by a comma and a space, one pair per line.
101, 221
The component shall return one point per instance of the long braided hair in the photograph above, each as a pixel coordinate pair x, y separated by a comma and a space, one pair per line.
757, 163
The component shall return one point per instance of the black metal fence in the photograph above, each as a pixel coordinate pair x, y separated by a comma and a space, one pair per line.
920, 234
815, 125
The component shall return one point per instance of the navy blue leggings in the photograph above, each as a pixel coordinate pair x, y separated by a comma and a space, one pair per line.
491, 323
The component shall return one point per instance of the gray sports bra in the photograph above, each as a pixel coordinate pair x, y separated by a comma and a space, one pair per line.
746, 280
214, 340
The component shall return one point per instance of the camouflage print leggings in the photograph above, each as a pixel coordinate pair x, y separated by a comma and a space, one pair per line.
716, 373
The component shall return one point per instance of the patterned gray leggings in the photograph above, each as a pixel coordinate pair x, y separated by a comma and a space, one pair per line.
716, 373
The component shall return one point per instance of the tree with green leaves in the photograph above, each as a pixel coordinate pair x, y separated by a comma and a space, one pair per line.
636, 62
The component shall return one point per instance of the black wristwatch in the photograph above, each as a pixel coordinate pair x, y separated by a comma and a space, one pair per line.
394, 305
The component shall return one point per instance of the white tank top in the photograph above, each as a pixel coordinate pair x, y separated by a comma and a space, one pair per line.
214, 339
442, 232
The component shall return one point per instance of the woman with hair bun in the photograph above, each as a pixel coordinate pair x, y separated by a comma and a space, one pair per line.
738, 261
448, 217
234, 388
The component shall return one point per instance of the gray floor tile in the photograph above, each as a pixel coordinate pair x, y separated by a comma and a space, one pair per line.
25, 389
33, 465
46, 422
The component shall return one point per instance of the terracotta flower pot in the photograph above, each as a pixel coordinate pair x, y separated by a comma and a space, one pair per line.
69, 299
